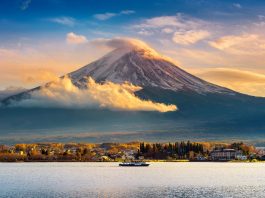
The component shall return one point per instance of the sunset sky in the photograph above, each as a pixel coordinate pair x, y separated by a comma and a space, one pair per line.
220, 41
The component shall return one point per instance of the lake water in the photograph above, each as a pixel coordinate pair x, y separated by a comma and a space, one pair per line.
110, 180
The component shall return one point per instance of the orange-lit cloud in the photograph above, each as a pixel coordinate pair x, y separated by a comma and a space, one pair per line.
178, 21
247, 82
245, 44
73, 38
121, 42
190, 37
38, 76
62, 93
30, 65
131, 43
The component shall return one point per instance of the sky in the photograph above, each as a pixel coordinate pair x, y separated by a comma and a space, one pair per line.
222, 41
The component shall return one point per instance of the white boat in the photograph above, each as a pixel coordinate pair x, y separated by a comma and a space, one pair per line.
134, 164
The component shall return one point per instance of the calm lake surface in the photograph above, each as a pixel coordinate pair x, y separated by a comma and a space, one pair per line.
110, 180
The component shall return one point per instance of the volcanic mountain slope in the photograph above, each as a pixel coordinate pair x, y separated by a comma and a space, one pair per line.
141, 66
162, 81
144, 67
202, 106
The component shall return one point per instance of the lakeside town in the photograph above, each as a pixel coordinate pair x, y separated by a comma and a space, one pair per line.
117, 152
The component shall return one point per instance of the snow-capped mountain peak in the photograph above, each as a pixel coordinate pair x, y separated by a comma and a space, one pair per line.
136, 63
142, 66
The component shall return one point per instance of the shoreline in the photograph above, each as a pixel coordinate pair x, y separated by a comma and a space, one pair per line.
131, 151
149, 161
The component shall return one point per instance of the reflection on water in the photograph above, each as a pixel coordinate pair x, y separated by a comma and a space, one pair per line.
110, 180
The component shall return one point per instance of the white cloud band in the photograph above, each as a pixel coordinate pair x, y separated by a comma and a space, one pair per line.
62, 93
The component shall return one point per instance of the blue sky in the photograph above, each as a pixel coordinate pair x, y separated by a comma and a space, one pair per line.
24, 17
214, 39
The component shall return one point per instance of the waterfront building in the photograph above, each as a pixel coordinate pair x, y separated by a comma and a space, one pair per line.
224, 154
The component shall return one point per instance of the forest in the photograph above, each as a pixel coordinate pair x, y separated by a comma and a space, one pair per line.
177, 150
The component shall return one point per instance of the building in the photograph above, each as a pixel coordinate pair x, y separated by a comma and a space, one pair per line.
223, 154
260, 152
240, 156
128, 155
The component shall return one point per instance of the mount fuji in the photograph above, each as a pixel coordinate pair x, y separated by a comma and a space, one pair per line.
139, 65
145, 68
204, 109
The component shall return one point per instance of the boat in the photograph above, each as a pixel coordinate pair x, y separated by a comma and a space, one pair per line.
137, 164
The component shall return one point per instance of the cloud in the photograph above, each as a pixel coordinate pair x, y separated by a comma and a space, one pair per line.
127, 12
73, 38
120, 42
230, 41
244, 44
247, 82
260, 24
68, 21
163, 21
128, 44
7, 52
261, 17
167, 30
108, 15
25, 4
30, 64
197, 58
237, 5
104, 16
145, 33
63, 93
38, 76
190, 37
178, 21
184, 30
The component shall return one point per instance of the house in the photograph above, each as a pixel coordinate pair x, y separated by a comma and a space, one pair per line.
240, 156
260, 152
223, 154
128, 155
